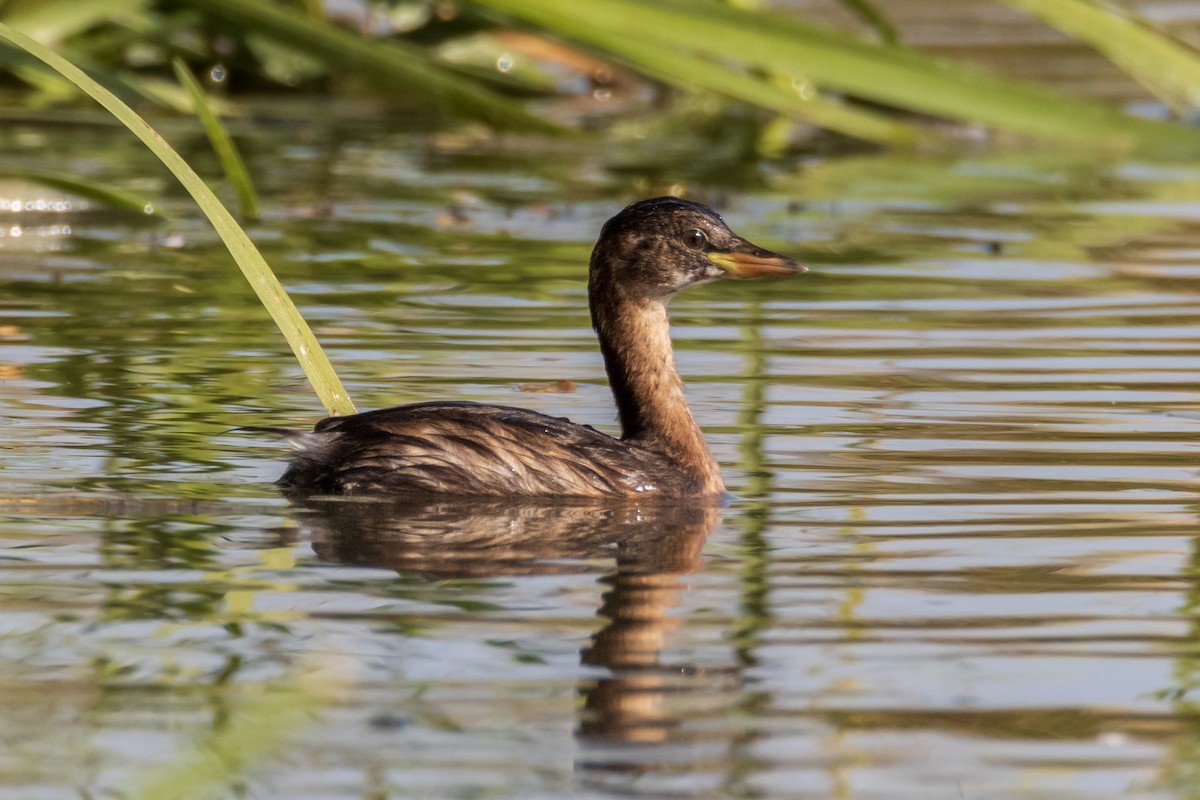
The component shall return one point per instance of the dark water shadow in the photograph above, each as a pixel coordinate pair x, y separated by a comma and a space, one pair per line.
649, 549
478, 539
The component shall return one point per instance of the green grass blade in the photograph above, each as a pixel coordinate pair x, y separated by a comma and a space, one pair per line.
805, 102
222, 143
390, 65
872, 16
127, 85
50, 84
72, 184
55, 20
892, 75
308, 351
1168, 69
163, 93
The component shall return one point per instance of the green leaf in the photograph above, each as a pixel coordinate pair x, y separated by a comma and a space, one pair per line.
800, 101
1168, 69
72, 184
55, 20
129, 86
308, 351
873, 17
888, 74
396, 68
227, 152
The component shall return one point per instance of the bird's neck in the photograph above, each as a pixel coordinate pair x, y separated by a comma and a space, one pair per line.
635, 338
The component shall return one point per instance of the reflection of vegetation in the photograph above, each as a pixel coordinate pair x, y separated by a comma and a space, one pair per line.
1182, 771
755, 613
259, 723
467, 57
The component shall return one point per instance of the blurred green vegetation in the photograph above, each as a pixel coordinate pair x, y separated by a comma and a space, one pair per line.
499, 62
222, 143
258, 274
515, 65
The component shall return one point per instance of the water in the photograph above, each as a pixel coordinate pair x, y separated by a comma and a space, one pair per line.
961, 561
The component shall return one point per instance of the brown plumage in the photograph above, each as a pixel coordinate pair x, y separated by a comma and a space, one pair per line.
646, 253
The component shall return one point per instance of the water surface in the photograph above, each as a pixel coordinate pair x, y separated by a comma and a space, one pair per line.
960, 562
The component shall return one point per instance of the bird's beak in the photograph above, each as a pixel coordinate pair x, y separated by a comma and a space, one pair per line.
750, 261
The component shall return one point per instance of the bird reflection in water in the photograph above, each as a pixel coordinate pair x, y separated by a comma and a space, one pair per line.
653, 547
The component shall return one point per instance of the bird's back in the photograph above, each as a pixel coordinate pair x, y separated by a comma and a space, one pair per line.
473, 449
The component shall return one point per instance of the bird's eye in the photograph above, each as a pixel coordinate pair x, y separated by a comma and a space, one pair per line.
695, 239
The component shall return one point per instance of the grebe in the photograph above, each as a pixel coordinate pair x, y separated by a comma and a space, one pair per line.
645, 254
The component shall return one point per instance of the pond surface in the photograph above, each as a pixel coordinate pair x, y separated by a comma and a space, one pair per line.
960, 563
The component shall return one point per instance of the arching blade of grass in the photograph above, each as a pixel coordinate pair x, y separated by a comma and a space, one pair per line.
308, 351
114, 198
1168, 69
886, 74
222, 143
398, 69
